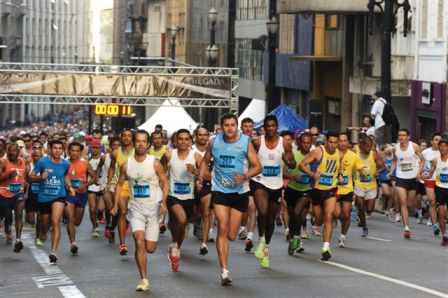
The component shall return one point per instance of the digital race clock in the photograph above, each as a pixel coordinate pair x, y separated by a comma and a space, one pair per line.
112, 110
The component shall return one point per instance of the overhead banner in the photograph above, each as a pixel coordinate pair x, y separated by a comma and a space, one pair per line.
115, 85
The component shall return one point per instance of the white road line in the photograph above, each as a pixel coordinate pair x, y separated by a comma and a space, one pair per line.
55, 276
393, 280
379, 239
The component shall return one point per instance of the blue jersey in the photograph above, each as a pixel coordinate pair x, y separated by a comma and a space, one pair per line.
228, 161
54, 186
388, 164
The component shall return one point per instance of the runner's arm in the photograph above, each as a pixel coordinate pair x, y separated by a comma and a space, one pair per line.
421, 164
165, 160
3, 175
163, 180
111, 171
92, 175
204, 173
379, 163
254, 162
308, 159
393, 165
120, 182
288, 156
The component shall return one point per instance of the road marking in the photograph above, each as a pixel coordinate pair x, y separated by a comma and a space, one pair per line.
386, 278
379, 239
55, 276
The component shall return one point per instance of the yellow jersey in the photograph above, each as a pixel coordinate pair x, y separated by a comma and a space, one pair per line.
328, 169
122, 158
369, 167
157, 154
347, 164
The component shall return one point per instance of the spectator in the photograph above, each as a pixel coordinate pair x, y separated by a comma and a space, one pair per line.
382, 131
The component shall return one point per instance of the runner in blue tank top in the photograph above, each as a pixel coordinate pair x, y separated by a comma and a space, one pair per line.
229, 150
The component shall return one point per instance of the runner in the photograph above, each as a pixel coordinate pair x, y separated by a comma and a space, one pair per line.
76, 199
95, 192
183, 163
229, 150
157, 148
368, 166
408, 161
31, 203
148, 187
387, 188
429, 155
13, 175
52, 173
205, 194
297, 195
118, 158
345, 187
267, 186
326, 173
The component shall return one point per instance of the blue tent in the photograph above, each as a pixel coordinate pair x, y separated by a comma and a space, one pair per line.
287, 119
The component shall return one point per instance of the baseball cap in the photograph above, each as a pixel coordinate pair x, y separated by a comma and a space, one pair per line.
20, 143
95, 144
77, 135
444, 140
88, 138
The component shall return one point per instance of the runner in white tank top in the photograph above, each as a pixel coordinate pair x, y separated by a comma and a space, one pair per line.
267, 187
148, 188
183, 168
409, 161
95, 196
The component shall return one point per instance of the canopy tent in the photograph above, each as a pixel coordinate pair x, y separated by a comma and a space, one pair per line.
255, 110
172, 116
287, 119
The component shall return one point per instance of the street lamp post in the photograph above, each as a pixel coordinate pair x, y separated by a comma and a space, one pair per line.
388, 11
272, 98
173, 33
211, 54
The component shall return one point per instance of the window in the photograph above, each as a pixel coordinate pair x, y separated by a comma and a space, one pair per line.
332, 21
424, 21
249, 60
251, 10
440, 19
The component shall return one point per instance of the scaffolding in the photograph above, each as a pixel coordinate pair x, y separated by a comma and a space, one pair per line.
189, 86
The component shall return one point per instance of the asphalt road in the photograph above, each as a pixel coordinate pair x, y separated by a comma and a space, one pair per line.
381, 266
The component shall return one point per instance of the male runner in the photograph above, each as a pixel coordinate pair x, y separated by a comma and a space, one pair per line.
52, 173
369, 164
387, 188
148, 190
229, 150
267, 186
429, 155
95, 192
117, 159
297, 194
345, 188
157, 148
182, 163
13, 175
326, 172
409, 162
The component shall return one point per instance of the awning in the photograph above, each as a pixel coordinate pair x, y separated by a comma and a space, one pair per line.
317, 58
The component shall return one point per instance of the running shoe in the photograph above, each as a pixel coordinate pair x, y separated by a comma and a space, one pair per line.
102, 220
304, 234
259, 250
341, 243
249, 244
420, 220
211, 236
264, 262
444, 241
326, 253
38, 242
407, 234
173, 258
242, 235
225, 278
112, 237
397, 217
294, 245
288, 237
53, 257
365, 232
429, 223
8, 236
143, 285
95, 233
18, 246
368, 215
107, 232
278, 221
204, 249
123, 249
436, 229
316, 231
74, 248
162, 228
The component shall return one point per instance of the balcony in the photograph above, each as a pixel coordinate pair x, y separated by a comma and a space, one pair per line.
323, 6
6, 8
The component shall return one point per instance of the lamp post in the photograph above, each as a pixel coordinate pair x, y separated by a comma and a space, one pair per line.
173, 33
388, 9
272, 97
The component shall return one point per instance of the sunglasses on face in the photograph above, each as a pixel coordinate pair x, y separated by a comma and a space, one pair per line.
37, 148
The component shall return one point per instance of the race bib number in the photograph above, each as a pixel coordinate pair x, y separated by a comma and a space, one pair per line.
141, 191
76, 183
326, 180
35, 187
365, 179
444, 178
51, 191
271, 171
182, 188
406, 167
15, 187
305, 179
227, 161
345, 182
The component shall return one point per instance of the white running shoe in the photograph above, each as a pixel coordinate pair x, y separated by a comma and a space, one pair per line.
429, 223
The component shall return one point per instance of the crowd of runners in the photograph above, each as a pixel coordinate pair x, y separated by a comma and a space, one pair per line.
226, 184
